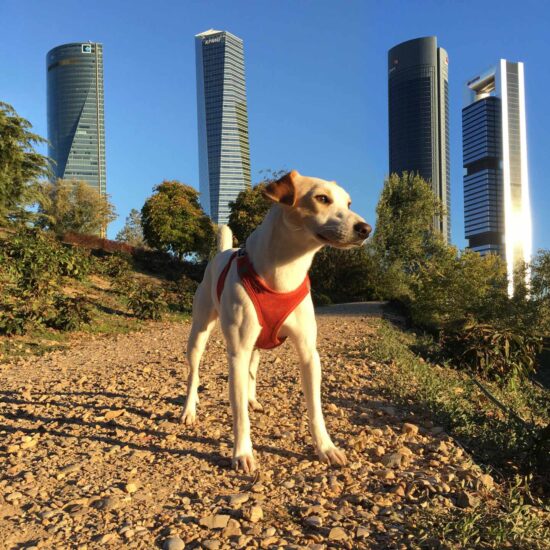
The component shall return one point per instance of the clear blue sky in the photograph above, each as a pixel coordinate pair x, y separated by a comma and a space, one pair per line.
316, 83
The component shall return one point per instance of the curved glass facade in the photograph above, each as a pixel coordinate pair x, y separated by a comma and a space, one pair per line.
418, 108
224, 155
76, 127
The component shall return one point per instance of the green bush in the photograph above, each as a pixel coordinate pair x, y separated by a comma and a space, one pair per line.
115, 265
183, 293
33, 258
75, 262
69, 313
491, 352
147, 302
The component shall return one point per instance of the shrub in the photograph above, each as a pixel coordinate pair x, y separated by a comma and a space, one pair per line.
114, 265
69, 313
497, 353
75, 262
147, 302
24, 309
184, 290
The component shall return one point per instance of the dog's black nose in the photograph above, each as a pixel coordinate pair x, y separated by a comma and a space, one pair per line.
362, 229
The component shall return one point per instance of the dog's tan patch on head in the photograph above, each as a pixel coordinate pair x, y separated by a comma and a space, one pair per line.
284, 190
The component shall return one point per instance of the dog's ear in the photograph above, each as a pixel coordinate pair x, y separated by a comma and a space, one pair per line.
283, 190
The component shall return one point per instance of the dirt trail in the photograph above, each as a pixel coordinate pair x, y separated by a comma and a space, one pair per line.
92, 454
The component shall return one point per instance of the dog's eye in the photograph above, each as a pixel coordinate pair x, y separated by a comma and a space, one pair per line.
349, 205
323, 199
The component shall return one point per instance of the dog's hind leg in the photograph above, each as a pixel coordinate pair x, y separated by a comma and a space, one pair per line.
252, 371
204, 319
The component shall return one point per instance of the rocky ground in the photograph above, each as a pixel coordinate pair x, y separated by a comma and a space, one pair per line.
92, 454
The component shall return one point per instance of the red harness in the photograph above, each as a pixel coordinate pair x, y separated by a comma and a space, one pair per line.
272, 308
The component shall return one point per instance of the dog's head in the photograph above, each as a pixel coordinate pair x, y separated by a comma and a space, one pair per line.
321, 207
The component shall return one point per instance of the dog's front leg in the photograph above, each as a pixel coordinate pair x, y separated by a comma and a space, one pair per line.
310, 369
239, 362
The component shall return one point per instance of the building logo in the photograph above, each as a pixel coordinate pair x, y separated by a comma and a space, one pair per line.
86, 48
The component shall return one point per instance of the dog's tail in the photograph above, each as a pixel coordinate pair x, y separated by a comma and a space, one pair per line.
225, 238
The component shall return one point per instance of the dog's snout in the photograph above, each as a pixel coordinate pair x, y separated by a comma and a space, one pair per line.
362, 229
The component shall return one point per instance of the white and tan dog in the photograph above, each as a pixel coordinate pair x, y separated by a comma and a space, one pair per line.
308, 214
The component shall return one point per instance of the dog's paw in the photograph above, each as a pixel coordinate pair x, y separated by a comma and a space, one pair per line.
255, 405
244, 463
333, 456
188, 417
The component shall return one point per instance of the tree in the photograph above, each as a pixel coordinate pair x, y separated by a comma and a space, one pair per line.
132, 232
21, 166
250, 207
342, 275
173, 220
404, 235
74, 206
247, 211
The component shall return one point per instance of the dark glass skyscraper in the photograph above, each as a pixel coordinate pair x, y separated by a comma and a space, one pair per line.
418, 101
224, 155
497, 212
76, 127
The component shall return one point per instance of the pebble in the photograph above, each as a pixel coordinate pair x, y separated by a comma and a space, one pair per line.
255, 514
410, 429
314, 521
217, 521
337, 533
173, 543
238, 499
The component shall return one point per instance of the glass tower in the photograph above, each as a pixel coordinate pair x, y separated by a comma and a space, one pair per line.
497, 211
418, 105
76, 127
224, 155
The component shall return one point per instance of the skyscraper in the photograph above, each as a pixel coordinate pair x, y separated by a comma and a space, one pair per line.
224, 155
418, 101
76, 127
497, 211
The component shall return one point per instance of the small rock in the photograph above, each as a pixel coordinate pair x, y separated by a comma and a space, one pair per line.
362, 532
110, 415
211, 544
487, 481
466, 500
410, 429
233, 529
173, 543
314, 521
217, 521
337, 533
131, 487
255, 514
392, 460
238, 499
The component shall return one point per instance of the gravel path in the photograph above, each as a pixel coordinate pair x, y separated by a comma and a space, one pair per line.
92, 454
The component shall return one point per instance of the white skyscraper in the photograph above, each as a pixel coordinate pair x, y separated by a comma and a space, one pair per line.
497, 210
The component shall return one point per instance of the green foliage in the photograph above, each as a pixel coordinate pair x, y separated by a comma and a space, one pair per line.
147, 302
404, 237
500, 354
74, 206
184, 291
32, 264
173, 221
114, 265
342, 275
248, 211
449, 288
21, 166
132, 232
514, 520
70, 313
454, 400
